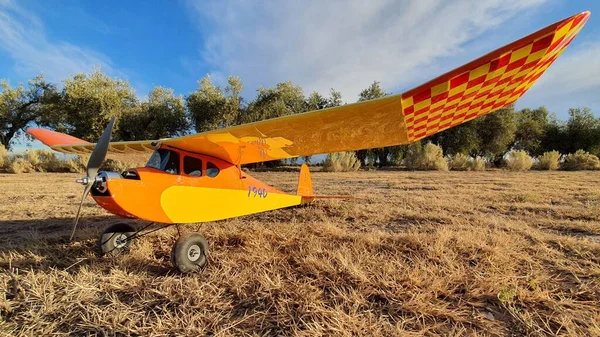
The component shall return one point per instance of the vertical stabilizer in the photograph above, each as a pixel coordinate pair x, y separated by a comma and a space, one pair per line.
305, 187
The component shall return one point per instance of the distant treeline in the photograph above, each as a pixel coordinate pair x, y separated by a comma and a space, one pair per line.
83, 104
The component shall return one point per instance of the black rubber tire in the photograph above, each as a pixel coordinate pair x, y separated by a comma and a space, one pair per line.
189, 253
111, 241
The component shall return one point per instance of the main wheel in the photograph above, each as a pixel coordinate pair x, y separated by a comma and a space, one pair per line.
115, 239
189, 253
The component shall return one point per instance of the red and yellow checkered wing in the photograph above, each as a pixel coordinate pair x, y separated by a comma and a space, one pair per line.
488, 83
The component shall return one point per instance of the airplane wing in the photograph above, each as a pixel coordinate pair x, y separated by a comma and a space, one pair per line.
484, 85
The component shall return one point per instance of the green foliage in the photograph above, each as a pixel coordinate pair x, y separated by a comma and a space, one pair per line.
463, 138
316, 101
518, 160
507, 295
212, 107
497, 133
488, 136
162, 116
341, 162
88, 102
581, 160
548, 161
531, 129
20, 106
582, 131
428, 157
285, 99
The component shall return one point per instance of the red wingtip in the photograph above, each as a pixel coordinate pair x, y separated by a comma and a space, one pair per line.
52, 138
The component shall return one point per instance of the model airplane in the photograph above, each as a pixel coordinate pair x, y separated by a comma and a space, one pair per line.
198, 178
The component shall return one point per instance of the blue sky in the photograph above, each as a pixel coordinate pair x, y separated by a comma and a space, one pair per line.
316, 44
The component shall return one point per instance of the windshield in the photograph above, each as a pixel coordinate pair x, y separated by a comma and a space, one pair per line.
164, 160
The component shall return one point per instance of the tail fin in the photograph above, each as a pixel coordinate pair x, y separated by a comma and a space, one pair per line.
305, 187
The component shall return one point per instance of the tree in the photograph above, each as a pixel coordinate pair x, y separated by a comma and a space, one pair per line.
212, 107
463, 138
555, 138
582, 131
282, 100
163, 115
497, 133
316, 101
21, 106
531, 130
87, 103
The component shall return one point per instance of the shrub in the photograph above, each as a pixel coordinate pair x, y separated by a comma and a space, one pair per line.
4, 158
460, 162
477, 164
548, 161
114, 165
31, 156
518, 160
341, 162
581, 160
81, 162
19, 165
428, 157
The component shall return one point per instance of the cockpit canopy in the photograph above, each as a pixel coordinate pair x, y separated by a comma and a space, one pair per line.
164, 160
170, 161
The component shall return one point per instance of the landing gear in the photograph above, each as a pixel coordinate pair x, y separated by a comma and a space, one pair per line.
115, 239
189, 253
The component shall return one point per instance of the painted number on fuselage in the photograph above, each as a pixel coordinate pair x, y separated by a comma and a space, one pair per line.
256, 192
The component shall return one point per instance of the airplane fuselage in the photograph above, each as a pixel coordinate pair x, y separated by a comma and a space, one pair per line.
183, 187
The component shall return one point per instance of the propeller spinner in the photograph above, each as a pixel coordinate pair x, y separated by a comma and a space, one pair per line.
96, 159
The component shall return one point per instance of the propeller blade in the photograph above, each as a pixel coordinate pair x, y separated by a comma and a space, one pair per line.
99, 154
96, 159
86, 191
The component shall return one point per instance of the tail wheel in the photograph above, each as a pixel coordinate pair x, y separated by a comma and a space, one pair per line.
189, 253
115, 239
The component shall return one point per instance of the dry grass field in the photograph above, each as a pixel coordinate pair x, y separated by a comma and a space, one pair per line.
419, 253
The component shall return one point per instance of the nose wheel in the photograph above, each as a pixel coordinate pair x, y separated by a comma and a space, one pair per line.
189, 253
115, 239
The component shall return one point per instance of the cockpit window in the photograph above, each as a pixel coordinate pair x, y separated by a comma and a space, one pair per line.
212, 170
164, 160
192, 166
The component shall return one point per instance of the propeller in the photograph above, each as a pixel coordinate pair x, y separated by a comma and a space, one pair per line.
96, 159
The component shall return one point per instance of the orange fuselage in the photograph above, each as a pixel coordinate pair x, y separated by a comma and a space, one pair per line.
219, 192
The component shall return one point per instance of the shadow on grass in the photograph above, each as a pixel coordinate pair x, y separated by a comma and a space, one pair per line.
43, 244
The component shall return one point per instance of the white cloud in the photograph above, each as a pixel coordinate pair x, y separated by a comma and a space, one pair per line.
573, 80
22, 36
343, 44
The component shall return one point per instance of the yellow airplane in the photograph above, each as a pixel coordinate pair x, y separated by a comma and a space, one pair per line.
198, 178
